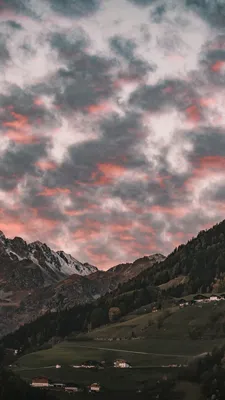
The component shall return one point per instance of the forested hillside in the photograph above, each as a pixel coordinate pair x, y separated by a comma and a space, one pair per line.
200, 265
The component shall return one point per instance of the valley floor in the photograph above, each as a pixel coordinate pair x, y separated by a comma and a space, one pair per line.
163, 351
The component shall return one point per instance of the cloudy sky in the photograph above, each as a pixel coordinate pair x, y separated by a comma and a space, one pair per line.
112, 113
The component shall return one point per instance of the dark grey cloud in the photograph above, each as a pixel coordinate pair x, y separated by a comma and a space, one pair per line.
158, 13
22, 102
177, 93
86, 83
4, 53
212, 63
85, 80
135, 66
143, 191
19, 160
211, 10
68, 46
75, 8
24, 7
217, 193
142, 3
123, 47
119, 136
14, 25
207, 142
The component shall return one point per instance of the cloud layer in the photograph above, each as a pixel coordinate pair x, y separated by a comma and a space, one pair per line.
112, 119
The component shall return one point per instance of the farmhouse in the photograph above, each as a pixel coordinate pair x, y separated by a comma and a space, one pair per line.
121, 364
215, 297
94, 387
200, 298
40, 381
183, 303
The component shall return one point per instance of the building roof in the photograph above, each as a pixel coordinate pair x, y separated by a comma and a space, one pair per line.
40, 378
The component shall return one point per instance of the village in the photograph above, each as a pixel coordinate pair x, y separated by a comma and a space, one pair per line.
201, 299
44, 382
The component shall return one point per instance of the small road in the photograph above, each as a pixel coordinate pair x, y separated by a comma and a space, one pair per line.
33, 369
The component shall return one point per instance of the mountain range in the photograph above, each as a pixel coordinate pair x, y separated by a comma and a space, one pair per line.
34, 280
195, 267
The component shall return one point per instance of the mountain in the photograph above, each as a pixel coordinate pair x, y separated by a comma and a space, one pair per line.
27, 266
27, 269
83, 289
34, 280
131, 270
197, 266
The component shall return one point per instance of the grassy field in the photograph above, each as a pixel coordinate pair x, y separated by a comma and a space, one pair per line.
140, 353
168, 344
161, 346
146, 325
68, 353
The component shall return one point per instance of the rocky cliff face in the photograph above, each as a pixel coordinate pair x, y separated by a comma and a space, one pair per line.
32, 265
35, 279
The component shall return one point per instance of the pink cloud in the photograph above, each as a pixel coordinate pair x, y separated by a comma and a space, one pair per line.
177, 212
19, 130
99, 108
46, 165
218, 66
53, 191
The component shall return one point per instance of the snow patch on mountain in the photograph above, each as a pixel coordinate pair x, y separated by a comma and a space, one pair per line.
57, 264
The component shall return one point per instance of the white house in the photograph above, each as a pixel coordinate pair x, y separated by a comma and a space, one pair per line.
95, 387
40, 382
121, 364
214, 298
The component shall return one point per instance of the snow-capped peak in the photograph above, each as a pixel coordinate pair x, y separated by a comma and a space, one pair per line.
71, 266
54, 265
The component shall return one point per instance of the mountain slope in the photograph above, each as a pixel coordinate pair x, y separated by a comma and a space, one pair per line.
198, 266
131, 270
75, 290
35, 279
27, 266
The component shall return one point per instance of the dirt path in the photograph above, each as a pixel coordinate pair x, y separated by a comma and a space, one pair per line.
134, 352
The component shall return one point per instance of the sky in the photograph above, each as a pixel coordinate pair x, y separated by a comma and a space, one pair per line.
112, 133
